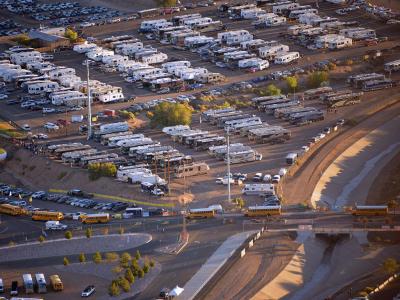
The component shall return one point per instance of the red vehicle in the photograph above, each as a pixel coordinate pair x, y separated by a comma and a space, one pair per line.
62, 122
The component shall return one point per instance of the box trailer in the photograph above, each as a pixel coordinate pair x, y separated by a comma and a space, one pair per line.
260, 189
186, 170
40, 282
28, 283
286, 58
243, 156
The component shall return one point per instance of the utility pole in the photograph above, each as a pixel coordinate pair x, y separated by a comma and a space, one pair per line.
229, 165
89, 132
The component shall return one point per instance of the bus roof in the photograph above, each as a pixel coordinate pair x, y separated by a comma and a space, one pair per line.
96, 215
371, 206
264, 207
194, 210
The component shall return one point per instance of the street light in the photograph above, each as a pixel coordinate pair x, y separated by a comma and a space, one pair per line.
89, 103
229, 165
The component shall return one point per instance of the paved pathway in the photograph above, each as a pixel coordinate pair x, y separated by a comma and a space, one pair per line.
61, 247
348, 179
213, 264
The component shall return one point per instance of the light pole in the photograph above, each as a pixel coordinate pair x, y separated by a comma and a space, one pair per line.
229, 165
89, 133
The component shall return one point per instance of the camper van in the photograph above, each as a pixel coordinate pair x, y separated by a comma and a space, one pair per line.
191, 170
261, 189
287, 58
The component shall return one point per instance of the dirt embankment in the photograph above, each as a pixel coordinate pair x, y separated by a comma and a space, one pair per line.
386, 186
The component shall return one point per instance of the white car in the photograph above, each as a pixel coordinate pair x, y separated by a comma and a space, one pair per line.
267, 178
88, 291
305, 149
3, 96
41, 136
321, 135
157, 192
51, 126
26, 127
276, 179
47, 110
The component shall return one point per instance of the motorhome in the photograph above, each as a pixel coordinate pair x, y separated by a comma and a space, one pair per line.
193, 169
270, 52
106, 137
295, 14
358, 79
83, 48
276, 21
68, 98
243, 156
206, 115
155, 58
204, 144
286, 58
178, 20
285, 113
257, 100
260, 189
340, 43
306, 117
28, 283
231, 124
392, 66
149, 26
23, 58
255, 63
281, 8
40, 283
374, 85
111, 97
209, 27
234, 37
41, 87
112, 141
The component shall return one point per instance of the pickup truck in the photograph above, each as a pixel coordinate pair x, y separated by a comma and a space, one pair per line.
55, 225
79, 193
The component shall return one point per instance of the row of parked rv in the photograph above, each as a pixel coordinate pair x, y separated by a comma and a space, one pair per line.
374, 81
36, 284
29, 70
222, 49
137, 63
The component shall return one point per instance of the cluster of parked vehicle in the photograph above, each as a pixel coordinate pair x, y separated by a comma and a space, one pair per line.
10, 27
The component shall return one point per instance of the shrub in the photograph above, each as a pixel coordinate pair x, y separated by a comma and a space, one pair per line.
124, 284
146, 268
390, 265
97, 257
82, 257
68, 235
129, 276
169, 114
71, 35
137, 255
22, 39
125, 258
89, 232
332, 66
112, 256
292, 83
315, 79
272, 90
105, 231
128, 115
152, 264
140, 273
348, 62
41, 239
97, 170
66, 261
117, 269
114, 290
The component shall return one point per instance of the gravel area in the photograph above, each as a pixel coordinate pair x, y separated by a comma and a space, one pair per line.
60, 247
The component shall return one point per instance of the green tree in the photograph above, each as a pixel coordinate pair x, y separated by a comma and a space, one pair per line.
316, 79
273, 90
129, 276
89, 232
137, 255
97, 257
71, 35
292, 83
124, 284
82, 257
152, 264
68, 235
390, 266
98, 170
112, 256
66, 261
41, 239
140, 273
125, 259
114, 290
169, 114
146, 268
23, 39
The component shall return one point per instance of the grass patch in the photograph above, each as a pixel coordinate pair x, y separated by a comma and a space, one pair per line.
9, 130
61, 175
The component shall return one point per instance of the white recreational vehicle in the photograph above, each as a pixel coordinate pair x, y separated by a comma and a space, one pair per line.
261, 189
148, 26
256, 63
392, 66
155, 58
276, 21
40, 87
270, 52
83, 48
286, 58
57, 72
235, 37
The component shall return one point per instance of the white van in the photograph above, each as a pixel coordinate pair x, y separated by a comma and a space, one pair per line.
55, 225
1, 286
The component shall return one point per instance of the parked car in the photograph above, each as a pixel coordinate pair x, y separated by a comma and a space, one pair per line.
88, 291
26, 127
3, 96
276, 179
51, 126
258, 177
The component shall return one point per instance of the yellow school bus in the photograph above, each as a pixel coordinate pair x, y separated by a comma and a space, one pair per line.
95, 218
12, 210
263, 211
200, 213
370, 210
47, 216
56, 283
